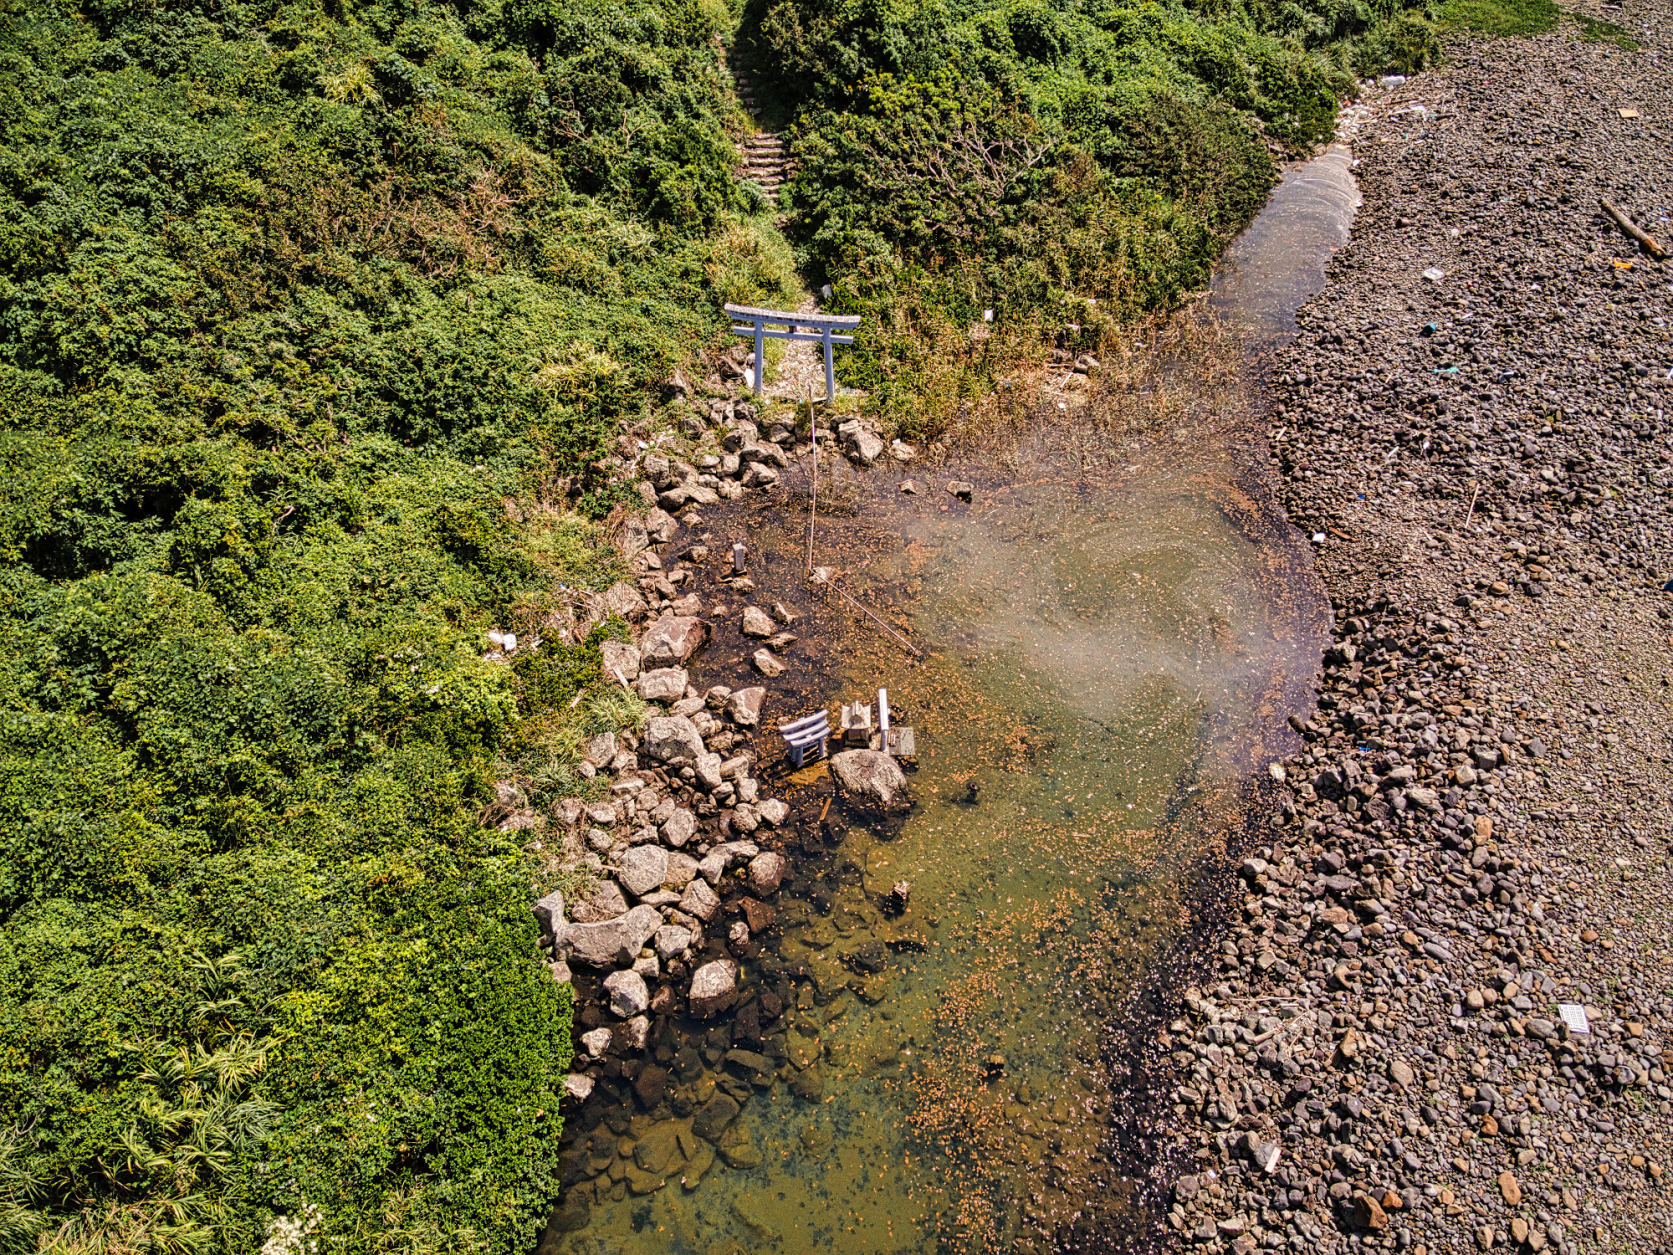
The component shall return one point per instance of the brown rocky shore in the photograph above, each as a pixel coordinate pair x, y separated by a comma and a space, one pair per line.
1473, 426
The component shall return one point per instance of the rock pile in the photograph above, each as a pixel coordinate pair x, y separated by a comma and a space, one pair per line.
1474, 833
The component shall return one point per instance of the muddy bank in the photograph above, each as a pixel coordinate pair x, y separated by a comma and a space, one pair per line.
1440, 1010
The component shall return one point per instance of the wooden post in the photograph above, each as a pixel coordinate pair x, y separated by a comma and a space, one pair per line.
830, 370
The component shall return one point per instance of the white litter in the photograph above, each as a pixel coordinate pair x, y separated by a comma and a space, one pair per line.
1574, 1015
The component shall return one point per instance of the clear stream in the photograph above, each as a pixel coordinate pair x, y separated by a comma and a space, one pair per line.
1113, 645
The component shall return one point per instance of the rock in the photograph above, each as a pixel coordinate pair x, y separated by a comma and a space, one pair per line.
659, 1150
549, 913
681, 869
633, 538
665, 684
597, 1041
900, 451
757, 622
715, 1115
671, 941
642, 869
699, 901
714, 986
578, 1085
672, 739
603, 901
1368, 1213
697, 1166
871, 778
628, 995
1509, 1189
679, 827
609, 942
773, 812
708, 769
784, 614
625, 601
635, 1033
1400, 1073
661, 526
671, 640
621, 657
744, 819
963, 489
766, 871
601, 750
767, 663
862, 446
759, 475
744, 706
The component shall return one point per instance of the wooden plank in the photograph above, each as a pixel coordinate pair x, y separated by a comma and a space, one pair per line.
786, 316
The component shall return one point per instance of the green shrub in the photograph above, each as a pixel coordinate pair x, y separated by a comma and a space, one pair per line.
309, 315
1028, 156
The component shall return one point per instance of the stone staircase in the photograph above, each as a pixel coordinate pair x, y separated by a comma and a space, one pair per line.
766, 163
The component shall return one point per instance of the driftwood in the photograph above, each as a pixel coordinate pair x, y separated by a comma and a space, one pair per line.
1647, 242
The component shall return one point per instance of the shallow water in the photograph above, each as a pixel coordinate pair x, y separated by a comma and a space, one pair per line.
1109, 655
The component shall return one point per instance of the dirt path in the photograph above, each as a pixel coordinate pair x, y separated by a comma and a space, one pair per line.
1476, 425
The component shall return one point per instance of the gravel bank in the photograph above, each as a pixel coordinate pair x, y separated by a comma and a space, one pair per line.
1476, 828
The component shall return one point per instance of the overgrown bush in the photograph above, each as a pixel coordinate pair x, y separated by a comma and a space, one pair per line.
309, 314
1033, 155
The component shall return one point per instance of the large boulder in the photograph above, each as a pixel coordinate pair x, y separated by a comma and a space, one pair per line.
871, 778
610, 942
671, 640
642, 869
714, 987
673, 739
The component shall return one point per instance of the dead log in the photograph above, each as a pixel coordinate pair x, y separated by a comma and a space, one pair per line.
1646, 242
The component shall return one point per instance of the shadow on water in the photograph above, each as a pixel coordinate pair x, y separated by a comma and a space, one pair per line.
1115, 631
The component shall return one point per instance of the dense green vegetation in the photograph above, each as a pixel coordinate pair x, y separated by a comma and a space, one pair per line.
1060, 163
312, 315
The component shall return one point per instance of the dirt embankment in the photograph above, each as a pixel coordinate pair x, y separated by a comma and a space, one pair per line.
1475, 426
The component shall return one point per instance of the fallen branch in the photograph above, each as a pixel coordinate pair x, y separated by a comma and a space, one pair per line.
1646, 242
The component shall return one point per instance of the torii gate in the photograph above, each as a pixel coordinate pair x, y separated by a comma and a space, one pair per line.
825, 325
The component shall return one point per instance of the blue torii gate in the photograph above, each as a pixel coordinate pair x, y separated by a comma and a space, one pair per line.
824, 324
